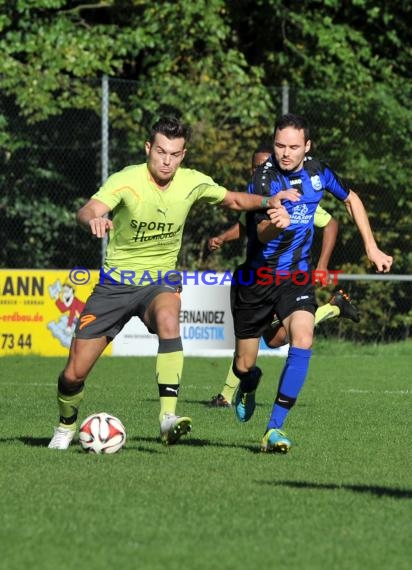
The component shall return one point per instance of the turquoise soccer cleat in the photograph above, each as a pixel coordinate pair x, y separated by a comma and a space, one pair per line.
245, 402
275, 441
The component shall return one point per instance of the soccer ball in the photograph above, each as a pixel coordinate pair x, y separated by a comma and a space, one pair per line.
102, 433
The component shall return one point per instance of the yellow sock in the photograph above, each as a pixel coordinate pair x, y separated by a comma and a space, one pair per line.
169, 367
69, 408
326, 312
231, 384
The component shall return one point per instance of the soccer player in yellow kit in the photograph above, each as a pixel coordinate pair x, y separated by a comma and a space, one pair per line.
149, 203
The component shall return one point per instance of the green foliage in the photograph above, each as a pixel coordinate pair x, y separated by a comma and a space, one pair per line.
385, 310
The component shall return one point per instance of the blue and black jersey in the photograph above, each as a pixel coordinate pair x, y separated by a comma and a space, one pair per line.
290, 251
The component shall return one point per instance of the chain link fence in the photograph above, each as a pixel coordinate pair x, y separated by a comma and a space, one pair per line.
50, 168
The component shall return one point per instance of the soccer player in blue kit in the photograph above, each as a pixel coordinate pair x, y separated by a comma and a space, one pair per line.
276, 276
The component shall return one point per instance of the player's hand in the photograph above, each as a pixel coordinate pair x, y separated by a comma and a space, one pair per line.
290, 194
322, 277
100, 226
215, 243
381, 260
279, 217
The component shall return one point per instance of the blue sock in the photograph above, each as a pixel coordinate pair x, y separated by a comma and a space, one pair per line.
290, 384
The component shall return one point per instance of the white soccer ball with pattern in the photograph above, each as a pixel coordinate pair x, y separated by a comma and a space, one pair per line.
102, 433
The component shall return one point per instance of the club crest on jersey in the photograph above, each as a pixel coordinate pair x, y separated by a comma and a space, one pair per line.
316, 183
300, 215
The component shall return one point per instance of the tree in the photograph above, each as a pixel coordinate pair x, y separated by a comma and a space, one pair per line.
52, 51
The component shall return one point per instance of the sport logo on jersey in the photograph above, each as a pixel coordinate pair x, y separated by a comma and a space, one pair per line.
297, 184
300, 215
316, 183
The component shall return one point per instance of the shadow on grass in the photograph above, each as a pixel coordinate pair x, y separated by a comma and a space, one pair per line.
196, 442
373, 490
201, 402
188, 442
33, 441
207, 404
44, 442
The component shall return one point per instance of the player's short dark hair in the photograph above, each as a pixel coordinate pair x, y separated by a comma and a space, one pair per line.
171, 128
263, 148
295, 121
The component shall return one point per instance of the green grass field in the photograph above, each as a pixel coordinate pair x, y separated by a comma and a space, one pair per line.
341, 499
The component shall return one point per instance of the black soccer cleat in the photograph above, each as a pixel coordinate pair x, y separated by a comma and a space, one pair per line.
345, 305
219, 401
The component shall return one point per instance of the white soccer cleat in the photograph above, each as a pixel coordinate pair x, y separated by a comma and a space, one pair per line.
62, 438
173, 427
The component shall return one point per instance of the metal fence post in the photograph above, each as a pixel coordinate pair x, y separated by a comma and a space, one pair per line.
105, 145
285, 98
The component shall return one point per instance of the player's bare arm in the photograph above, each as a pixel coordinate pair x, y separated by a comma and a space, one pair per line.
91, 217
381, 260
270, 229
330, 233
241, 201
